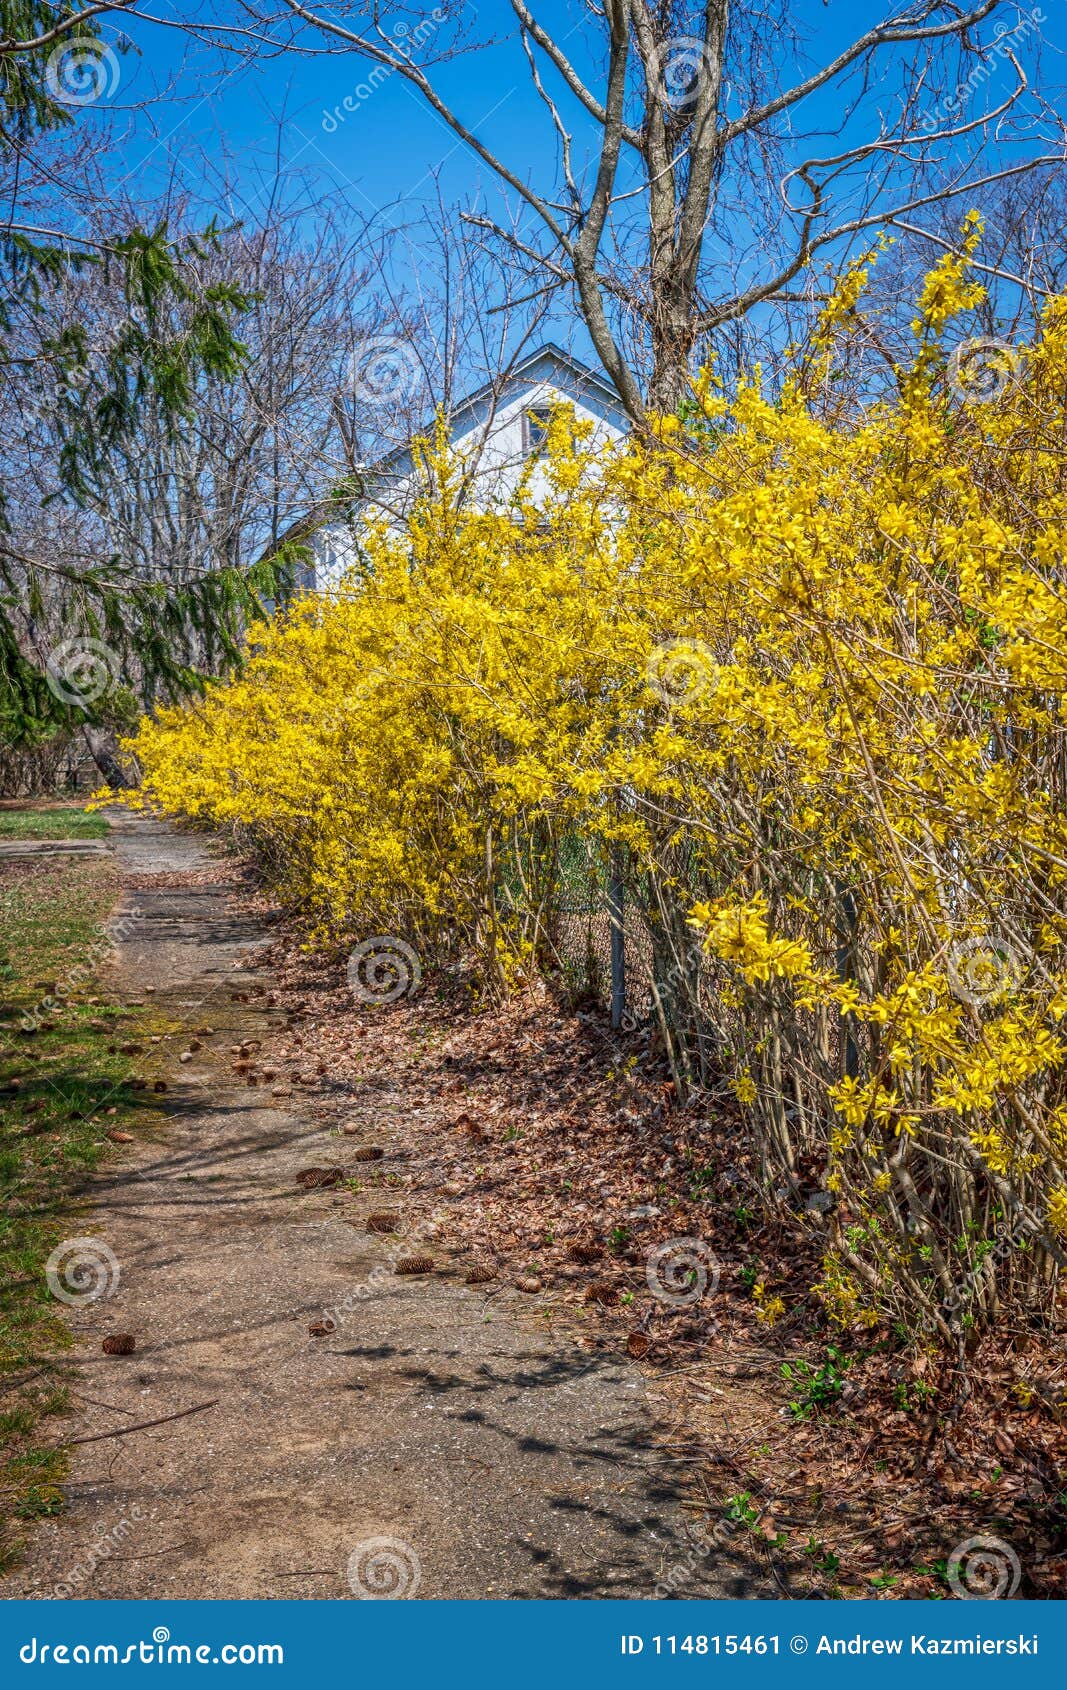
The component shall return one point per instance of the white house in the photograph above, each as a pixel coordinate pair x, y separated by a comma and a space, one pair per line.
494, 431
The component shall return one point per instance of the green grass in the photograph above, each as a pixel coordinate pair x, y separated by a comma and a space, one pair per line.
57, 1079
51, 824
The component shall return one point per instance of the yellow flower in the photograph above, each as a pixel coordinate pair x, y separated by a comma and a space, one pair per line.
799, 666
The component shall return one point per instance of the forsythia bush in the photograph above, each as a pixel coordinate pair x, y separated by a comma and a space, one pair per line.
802, 675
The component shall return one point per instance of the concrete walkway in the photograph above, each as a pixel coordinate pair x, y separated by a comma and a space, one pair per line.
493, 1454
56, 848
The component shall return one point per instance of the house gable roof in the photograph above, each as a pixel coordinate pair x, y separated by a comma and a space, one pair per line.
544, 363
547, 363
547, 366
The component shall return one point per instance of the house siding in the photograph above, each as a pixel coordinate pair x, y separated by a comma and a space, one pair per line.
489, 433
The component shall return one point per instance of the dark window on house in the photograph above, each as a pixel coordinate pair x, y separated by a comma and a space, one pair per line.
535, 428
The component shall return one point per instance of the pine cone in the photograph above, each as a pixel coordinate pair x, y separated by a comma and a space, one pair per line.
119, 1344
314, 1179
585, 1253
383, 1223
601, 1292
368, 1153
415, 1264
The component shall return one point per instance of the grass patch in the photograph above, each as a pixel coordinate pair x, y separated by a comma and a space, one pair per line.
51, 824
58, 1080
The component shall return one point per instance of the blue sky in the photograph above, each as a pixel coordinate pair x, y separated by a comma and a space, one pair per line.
221, 124
380, 156
381, 153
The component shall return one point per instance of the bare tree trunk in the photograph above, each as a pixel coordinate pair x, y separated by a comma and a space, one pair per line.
102, 750
652, 99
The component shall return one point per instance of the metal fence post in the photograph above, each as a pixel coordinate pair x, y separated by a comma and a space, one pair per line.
848, 927
616, 912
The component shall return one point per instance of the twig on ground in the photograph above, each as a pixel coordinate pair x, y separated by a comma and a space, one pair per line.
141, 1426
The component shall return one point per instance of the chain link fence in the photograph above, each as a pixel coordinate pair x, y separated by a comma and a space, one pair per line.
602, 944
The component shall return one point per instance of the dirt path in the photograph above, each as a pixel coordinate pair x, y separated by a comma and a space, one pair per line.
504, 1461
